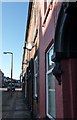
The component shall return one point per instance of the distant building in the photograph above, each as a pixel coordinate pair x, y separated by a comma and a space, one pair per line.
1, 78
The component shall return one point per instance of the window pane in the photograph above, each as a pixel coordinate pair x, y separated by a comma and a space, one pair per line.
36, 65
51, 83
35, 75
51, 95
51, 104
49, 57
35, 86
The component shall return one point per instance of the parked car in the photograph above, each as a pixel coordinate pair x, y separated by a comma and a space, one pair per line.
9, 87
17, 85
3, 86
13, 87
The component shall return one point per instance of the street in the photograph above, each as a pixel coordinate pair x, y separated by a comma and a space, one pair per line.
14, 106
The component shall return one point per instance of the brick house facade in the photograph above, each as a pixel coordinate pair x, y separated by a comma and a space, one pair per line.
50, 72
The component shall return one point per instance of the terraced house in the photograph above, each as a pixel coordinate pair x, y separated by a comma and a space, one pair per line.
1, 78
50, 59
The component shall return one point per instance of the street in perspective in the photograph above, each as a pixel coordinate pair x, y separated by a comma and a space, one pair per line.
38, 74
14, 106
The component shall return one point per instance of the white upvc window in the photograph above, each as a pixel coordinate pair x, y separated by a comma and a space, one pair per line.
35, 75
50, 85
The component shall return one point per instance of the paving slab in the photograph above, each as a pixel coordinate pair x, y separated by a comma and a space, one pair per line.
15, 106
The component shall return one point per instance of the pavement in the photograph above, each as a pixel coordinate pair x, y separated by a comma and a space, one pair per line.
14, 106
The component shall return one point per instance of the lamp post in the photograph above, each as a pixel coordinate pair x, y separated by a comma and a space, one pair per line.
11, 67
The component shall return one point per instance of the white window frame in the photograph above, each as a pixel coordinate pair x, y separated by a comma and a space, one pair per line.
47, 73
35, 76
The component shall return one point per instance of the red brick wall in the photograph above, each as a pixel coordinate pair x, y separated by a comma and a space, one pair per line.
46, 36
69, 83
